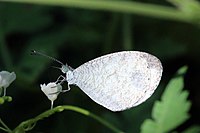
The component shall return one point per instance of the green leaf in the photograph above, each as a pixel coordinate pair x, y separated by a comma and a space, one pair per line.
173, 108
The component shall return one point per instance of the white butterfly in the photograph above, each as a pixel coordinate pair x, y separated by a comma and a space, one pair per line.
117, 81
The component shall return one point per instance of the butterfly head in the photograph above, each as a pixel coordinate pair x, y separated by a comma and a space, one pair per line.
65, 68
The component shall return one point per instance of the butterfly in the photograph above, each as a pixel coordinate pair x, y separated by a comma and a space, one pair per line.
117, 81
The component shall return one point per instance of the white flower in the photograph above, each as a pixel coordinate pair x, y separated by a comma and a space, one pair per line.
51, 90
6, 78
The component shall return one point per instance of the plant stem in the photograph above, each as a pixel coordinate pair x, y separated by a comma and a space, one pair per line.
127, 32
4, 50
1, 128
139, 8
52, 104
29, 124
110, 33
7, 129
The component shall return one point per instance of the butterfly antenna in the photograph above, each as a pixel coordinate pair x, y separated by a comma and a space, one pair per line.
55, 67
33, 52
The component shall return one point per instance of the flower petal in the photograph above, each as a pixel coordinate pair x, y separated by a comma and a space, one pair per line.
6, 78
51, 90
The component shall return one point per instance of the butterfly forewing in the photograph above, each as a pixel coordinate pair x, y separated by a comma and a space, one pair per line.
120, 80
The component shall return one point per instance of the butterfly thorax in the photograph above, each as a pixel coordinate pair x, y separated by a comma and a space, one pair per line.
70, 77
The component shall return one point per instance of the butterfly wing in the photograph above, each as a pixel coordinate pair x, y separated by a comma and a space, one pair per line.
120, 80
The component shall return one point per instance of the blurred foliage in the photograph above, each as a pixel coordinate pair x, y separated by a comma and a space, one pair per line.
75, 34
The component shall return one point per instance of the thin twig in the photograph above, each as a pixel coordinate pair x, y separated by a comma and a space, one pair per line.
1, 128
29, 124
6, 127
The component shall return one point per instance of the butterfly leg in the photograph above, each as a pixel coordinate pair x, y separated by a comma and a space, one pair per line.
60, 79
68, 89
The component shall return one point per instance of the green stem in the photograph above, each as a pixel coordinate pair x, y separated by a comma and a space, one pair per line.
110, 33
139, 8
1, 128
29, 124
4, 50
6, 128
127, 32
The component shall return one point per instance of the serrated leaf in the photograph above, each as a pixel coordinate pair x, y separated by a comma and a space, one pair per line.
149, 126
173, 108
